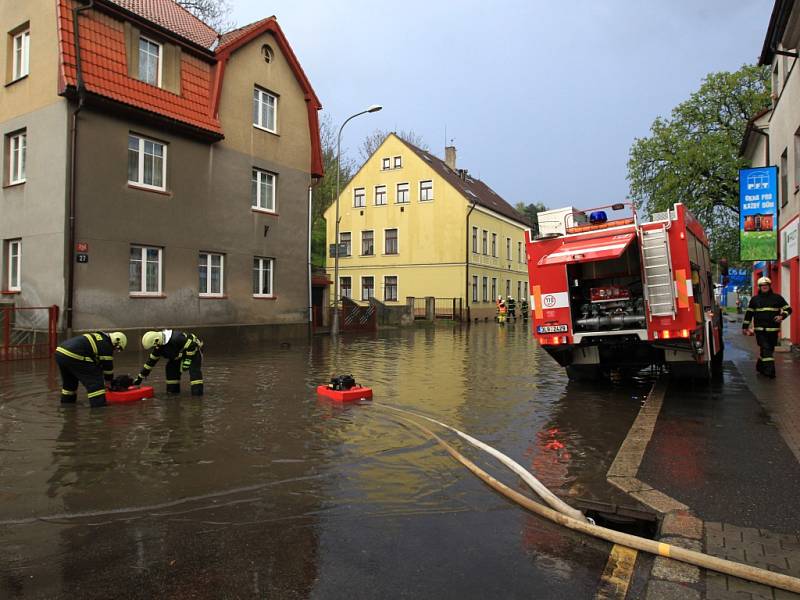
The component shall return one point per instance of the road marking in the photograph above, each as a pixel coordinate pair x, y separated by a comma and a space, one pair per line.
625, 467
617, 575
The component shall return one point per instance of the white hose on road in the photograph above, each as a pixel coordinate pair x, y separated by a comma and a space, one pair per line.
537, 486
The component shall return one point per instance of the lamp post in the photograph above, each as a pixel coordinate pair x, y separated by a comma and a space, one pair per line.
335, 323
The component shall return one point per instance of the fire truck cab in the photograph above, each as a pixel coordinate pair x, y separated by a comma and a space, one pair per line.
617, 294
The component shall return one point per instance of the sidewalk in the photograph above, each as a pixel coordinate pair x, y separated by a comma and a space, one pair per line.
724, 460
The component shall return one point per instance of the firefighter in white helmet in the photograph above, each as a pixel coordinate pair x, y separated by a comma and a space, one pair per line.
766, 312
88, 359
183, 353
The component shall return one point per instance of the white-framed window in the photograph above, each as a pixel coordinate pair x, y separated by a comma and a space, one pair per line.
508, 248
475, 240
485, 242
18, 153
263, 190
211, 271
508, 288
150, 54
359, 198
145, 271
390, 288
263, 275
380, 195
398, 162
21, 50
494, 288
402, 193
390, 241
346, 287
525, 290
147, 162
386, 164
367, 243
425, 190
474, 288
494, 244
265, 110
367, 288
346, 243
14, 265
519, 290
485, 289
520, 256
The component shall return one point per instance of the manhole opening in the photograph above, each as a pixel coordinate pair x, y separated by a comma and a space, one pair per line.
626, 519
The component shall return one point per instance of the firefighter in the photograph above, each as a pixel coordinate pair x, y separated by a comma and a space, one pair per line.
502, 309
88, 359
766, 310
523, 307
512, 309
183, 353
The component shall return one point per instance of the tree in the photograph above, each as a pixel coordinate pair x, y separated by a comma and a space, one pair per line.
325, 191
693, 156
531, 211
375, 139
215, 13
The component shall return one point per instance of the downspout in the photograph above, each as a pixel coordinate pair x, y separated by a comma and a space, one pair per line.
81, 89
314, 182
466, 262
766, 135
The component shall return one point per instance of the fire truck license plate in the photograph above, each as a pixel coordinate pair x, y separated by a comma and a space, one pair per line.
551, 329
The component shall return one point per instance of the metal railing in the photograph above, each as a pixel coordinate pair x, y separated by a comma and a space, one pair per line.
448, 308
28, 332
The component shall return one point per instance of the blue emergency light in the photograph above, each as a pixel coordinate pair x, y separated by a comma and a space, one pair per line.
597, 217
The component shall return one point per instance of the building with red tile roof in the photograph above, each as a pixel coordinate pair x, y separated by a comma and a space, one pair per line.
165, 168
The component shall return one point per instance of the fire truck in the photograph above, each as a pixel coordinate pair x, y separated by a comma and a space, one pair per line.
611, 296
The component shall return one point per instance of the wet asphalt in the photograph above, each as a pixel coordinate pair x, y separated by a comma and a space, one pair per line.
262, 490
715, 449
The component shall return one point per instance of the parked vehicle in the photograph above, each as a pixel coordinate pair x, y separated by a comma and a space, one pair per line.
619, 295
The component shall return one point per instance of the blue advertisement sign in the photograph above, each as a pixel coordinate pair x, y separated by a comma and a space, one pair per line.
758, 213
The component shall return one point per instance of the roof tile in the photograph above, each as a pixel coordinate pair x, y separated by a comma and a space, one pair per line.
171, 15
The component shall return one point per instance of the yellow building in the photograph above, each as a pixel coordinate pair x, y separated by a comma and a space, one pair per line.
415, 225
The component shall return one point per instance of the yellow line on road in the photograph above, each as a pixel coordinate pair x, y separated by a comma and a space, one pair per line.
617, 575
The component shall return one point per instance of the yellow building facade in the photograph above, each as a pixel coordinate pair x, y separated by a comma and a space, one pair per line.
412, 224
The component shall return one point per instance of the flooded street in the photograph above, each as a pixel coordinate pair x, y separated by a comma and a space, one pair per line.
260, 489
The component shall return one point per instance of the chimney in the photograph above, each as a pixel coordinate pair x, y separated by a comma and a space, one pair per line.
450, 157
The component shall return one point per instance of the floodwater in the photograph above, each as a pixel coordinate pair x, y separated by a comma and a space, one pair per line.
262, 490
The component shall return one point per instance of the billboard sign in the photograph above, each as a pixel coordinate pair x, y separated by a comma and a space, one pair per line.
758, 213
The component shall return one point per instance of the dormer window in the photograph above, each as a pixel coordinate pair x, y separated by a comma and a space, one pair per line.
150, 55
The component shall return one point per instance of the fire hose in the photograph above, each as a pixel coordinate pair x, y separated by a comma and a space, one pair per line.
692, 557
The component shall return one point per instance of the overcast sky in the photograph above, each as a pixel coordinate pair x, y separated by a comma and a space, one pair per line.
542, 99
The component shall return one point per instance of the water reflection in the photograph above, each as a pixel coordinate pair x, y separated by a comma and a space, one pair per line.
261, 489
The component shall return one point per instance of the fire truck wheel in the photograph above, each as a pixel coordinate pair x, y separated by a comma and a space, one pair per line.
584, 372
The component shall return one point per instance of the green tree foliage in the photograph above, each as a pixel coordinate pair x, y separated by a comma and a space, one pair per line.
324, 192
531, 211
693, 156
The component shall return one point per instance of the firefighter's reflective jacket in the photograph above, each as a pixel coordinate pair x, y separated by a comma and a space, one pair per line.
179, 346
95, 347
763, 309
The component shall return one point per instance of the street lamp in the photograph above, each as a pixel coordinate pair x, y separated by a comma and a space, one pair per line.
335, 324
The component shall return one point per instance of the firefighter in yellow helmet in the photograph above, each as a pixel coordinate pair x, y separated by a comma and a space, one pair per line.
183, 353
766, 312
88, 359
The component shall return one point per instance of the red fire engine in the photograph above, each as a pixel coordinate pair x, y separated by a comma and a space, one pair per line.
620, 295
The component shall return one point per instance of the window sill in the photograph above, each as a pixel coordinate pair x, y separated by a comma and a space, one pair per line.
390, 254
384, 204
275, 133
14, 184
264, 297
10, 292
402, 203
264, 211
366, 255
426, 201
17, 80
144, 295
212, 296
144, 188
357, 206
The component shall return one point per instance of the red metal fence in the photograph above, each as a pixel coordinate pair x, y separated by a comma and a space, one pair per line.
29, 332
